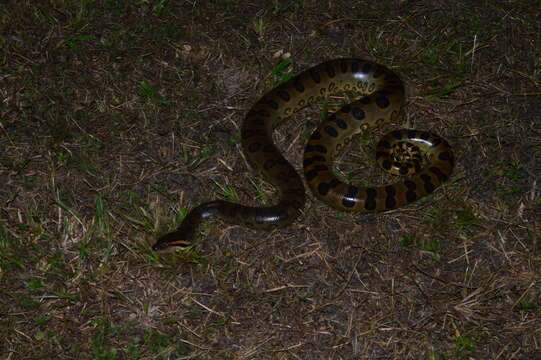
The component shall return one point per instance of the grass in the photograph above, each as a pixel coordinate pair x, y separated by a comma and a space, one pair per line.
118, 117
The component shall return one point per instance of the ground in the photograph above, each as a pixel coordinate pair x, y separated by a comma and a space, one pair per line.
117, 117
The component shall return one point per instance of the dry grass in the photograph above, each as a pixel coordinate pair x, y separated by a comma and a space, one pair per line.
118, 116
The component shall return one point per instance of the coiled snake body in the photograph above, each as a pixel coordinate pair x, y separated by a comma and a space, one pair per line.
397, 152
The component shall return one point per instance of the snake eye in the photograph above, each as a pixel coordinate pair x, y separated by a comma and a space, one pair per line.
160, 246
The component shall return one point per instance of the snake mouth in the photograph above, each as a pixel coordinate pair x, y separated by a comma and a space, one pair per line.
159, 246
168, 241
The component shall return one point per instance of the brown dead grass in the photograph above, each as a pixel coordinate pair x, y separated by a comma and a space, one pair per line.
119, 116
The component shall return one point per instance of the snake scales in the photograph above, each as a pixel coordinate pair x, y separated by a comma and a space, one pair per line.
397, 152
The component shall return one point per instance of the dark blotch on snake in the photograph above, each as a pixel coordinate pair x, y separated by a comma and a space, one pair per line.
269, 164
253, 147
331, 131
341, 123
390, 200
390, 190
269, 148
397, 134
298, 85
382, 102
445, 156
354, 66
411, 195
297, 191
317, 148
410, 185
246, 134
257, 122
358, 113
429, 187
344, 66
283, 95
309, 161
330, 70
315, 76
366, 68
310, 175
384, 144
262, 112
273, 104
323, 188
370, 200
441, 176
366, 100
378, 72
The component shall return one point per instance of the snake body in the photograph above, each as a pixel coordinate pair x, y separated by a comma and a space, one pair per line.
381, 102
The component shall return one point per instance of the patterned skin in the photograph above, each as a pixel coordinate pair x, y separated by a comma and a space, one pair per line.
398, 152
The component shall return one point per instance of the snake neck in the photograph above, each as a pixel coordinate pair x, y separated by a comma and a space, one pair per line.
262, 218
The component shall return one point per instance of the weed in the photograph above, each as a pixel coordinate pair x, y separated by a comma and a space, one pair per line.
150, 94
407, 240
446, 89
279, 71
74, 41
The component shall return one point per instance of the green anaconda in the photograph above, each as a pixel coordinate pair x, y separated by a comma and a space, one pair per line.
383, 97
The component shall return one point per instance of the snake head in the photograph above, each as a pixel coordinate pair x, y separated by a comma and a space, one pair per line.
170, 240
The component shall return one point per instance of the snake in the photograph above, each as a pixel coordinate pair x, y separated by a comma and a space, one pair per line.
424, 160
